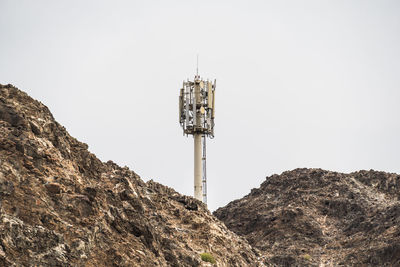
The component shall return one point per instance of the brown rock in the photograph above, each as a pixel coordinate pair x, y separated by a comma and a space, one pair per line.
53, 188
317, 217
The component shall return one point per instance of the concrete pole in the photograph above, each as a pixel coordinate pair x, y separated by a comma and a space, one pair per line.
198, 185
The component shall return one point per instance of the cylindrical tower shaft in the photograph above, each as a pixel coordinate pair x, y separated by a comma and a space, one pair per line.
198, 184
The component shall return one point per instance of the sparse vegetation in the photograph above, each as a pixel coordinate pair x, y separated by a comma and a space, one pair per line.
307, 257
207, 257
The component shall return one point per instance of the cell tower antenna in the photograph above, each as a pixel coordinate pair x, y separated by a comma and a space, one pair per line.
196, 116
197, 66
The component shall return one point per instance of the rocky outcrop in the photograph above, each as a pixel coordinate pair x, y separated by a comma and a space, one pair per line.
61, 206
321, 218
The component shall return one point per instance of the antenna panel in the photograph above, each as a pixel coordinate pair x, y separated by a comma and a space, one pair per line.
180, 108
181, 105
194, 109
213, 104
209, 95
187, 109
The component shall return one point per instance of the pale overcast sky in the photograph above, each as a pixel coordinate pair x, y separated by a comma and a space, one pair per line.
299, 83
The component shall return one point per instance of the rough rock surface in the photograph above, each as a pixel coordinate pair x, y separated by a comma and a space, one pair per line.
61, 206
322, 218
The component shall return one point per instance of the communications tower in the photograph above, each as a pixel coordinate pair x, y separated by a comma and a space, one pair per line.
196, 116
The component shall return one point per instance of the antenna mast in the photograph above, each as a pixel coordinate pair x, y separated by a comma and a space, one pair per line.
197, 66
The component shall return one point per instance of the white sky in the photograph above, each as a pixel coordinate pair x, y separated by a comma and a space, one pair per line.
299, 83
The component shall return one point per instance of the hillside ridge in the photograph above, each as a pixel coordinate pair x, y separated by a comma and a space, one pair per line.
315, 217
62, 206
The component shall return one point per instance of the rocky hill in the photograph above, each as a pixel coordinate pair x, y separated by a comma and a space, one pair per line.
61, 206
321, 218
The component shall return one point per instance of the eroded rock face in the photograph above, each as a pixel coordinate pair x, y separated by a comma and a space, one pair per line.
61, 206
317, 217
